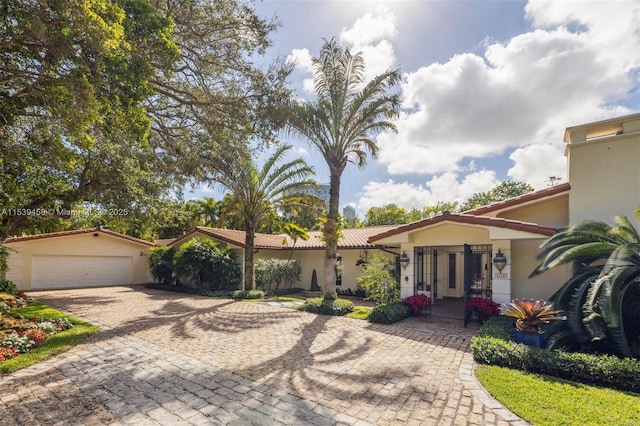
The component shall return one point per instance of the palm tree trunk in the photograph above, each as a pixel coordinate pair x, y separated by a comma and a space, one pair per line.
331, 236
249, 275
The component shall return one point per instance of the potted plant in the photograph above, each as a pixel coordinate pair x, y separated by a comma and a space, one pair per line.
530, 315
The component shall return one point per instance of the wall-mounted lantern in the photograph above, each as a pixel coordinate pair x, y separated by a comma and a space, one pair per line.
404, 260
499, 261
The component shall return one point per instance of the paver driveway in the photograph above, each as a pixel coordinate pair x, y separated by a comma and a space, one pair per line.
167, 358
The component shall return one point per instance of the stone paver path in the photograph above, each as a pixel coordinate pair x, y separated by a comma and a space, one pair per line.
169, 358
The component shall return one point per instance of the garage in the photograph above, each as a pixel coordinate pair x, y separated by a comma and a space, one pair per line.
79, 271
90, 257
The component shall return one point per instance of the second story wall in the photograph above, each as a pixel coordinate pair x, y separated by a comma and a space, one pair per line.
604, 169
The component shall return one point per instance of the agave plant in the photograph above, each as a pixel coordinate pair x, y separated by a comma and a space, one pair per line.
530, 314
602, 299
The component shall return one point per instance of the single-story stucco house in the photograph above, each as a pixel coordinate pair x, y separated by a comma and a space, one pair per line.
449, 255
80, 258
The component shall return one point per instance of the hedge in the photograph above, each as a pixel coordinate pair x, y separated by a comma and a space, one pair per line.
601, 370
337, 307
389, 313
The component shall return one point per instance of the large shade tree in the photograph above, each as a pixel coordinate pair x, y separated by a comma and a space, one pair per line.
113, 103
602, 298
257, 191
341, 123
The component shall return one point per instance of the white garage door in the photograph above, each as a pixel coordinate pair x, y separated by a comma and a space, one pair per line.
79, 271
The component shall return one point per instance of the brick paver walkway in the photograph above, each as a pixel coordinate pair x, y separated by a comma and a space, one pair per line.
169, 358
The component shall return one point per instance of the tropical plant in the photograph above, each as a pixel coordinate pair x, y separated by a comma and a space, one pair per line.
530, 314
340, 124
602, 298
378, 281
256, 192
161, 264
294, 232
207, 265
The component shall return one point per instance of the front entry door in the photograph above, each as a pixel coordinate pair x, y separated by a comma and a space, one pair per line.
454, 282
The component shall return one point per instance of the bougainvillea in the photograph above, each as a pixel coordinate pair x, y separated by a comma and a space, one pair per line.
417, 303
484, 307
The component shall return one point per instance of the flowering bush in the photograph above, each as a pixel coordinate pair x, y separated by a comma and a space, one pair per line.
16, 343
7, 353
484, 307
417, 303
20, 343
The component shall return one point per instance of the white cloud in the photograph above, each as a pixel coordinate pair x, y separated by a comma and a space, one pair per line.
519, 94
535, 164
370, 35
447, 187
371, 27
301, 58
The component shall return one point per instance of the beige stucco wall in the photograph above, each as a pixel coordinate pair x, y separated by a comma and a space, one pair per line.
604, 172
310, 259
523, 261
449, 234
21, 254
552, 212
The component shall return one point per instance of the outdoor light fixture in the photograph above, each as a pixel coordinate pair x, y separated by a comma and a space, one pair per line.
404, 260
499, 261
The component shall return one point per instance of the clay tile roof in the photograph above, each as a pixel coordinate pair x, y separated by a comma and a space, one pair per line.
77, 232
512, 202
468, 220
353, 238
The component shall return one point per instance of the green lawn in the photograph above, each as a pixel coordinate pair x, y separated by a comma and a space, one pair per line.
545, 400
54, 344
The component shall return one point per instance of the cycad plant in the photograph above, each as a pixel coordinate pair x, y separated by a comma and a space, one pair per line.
602, 299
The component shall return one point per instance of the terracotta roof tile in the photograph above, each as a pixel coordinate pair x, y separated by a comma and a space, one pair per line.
352, 238
76, 232
525, 198
469, 220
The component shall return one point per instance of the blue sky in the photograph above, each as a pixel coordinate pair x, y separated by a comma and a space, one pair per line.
488, 86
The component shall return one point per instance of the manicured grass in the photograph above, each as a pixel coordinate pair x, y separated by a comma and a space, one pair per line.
545, 400
54, 344
360, 312
283, 299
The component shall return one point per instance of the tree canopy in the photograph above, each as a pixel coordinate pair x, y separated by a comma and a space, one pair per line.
116, 103
503, 191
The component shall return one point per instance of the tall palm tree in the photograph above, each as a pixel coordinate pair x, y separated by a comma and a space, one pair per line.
341, 124
209, 211
257, 192
602, 299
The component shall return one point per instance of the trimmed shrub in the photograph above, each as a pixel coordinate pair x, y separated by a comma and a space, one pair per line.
390, 313
248, 294
493, 345
277, 273
283, 291
337, 307
7, 286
